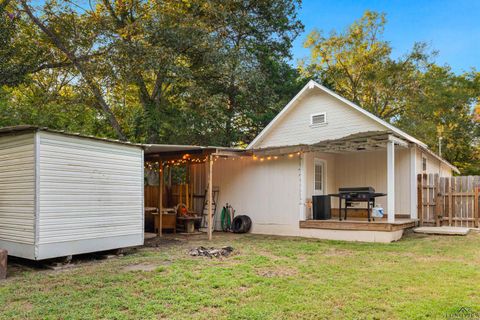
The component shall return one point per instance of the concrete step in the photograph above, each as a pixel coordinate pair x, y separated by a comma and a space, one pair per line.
454, 231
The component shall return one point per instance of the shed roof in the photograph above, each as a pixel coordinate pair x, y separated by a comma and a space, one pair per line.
30, 128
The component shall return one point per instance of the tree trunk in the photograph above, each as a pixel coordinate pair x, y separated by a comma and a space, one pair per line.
79, 66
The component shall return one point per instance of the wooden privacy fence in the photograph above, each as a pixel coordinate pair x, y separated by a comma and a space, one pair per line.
448, 201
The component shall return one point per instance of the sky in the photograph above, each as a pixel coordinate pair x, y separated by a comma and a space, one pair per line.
450, 27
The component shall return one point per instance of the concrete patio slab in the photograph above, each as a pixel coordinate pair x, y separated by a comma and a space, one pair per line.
454, 231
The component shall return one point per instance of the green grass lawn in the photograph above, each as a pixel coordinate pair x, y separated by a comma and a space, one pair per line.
420, 277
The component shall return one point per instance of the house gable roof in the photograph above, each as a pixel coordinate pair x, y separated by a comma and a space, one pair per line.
311, 85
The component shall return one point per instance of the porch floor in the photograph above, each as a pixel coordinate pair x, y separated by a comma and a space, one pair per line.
360, 224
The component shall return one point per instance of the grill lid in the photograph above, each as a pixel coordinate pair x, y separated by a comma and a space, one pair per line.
356, 190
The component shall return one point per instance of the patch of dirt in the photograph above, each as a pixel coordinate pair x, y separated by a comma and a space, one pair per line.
268, 254
145, 267
243, 289
162, 241
277, 272
332, 252
140, 267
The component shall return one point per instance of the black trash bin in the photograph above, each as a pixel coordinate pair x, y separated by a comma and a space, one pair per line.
321, 207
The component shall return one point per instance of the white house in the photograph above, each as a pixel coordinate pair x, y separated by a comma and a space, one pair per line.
317, 144
64, 194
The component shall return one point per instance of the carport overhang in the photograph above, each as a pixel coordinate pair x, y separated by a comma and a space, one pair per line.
166, 154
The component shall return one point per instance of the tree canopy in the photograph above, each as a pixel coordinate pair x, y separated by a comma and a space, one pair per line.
157, 71
215, 72
412, 92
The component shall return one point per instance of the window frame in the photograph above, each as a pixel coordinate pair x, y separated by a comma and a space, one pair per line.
424, 163
323, 191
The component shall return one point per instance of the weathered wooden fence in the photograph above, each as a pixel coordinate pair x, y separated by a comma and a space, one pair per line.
448, 201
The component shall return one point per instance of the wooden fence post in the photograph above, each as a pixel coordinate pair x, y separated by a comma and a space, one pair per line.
475, 205
3, 263
419, 199
448, 200
437, 195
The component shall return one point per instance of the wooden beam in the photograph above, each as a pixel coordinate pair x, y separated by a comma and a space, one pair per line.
160, 197
357, 225
210, 196
176, 155
419, 199
475, 206
239, 153
438, 195
398, 141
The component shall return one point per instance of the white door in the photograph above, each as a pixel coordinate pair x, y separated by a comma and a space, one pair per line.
319, 177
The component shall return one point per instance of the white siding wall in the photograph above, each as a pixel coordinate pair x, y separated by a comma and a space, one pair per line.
294, 128
268, 192
17, 194
329, 159
91, 195
433, 165
370, 169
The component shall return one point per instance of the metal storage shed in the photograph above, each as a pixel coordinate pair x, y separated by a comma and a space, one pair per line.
64, 194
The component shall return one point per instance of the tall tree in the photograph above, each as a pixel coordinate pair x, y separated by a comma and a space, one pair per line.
64, 30
169, 53
18, 55
411, 92
255, 39
443, 116
358, 65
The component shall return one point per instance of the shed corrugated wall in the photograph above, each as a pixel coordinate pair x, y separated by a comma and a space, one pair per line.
90, 195
17, 194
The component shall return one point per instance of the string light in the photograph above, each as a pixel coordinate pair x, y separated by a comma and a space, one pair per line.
187, 158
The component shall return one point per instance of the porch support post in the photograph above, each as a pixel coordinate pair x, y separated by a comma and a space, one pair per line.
210, 196
303, 189
160, 196
391, 181
413, 183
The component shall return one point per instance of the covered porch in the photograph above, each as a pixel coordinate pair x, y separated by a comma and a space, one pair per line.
380, 160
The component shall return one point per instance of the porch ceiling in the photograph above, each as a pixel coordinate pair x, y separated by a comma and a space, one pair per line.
358, 142
363, 141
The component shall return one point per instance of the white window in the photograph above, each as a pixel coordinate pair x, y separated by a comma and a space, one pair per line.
319, 177
318, 119
424, 163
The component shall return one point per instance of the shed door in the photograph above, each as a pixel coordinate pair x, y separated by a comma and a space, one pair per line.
319, 177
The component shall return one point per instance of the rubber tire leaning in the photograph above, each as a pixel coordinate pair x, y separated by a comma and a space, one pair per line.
241, 224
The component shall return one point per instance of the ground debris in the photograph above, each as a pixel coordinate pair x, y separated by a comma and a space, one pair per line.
211, 252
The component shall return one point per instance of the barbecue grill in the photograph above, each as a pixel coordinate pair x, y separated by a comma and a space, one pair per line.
356, 194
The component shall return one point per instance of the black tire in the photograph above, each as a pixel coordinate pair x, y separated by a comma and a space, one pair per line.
241, 224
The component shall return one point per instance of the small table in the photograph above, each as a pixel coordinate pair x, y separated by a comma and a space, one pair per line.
189, 222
